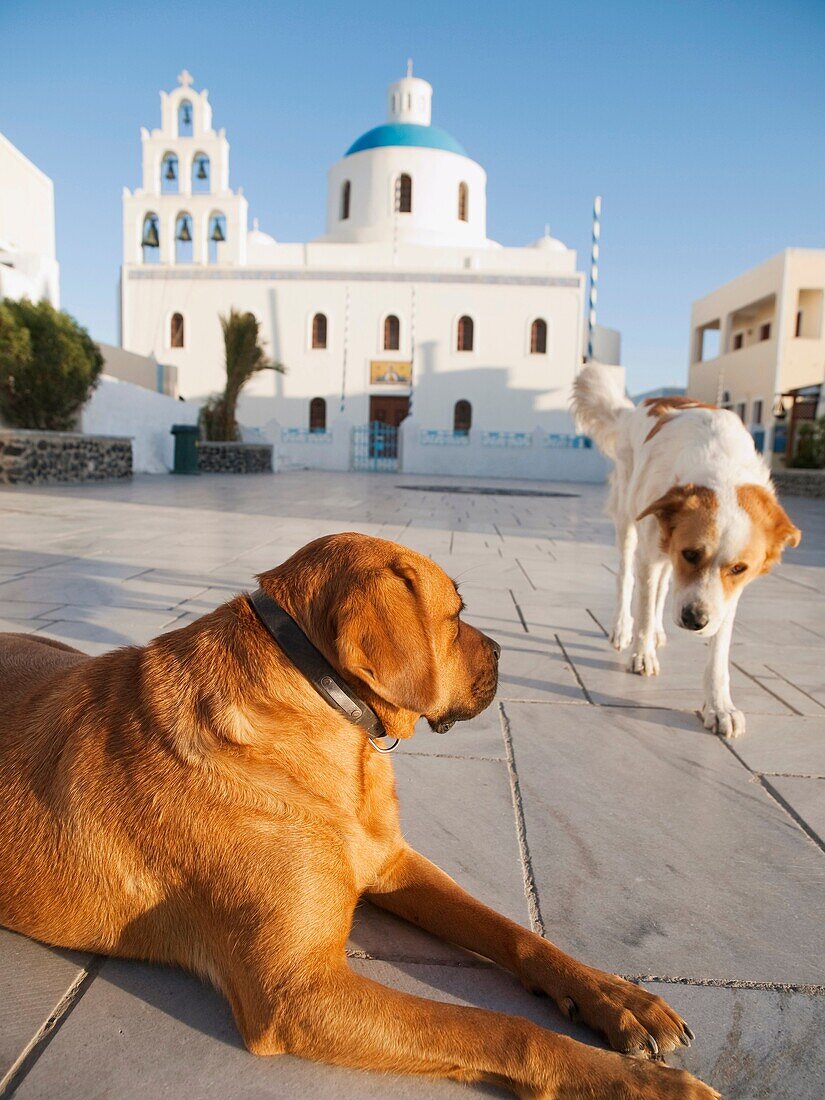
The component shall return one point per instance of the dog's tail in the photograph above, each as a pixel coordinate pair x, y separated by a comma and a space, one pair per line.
599, 405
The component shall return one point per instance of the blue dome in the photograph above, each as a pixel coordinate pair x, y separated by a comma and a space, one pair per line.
406, 133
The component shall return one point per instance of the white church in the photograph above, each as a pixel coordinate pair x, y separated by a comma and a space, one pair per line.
403, 307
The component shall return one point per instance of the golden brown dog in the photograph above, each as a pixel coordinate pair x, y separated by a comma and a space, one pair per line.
197, 802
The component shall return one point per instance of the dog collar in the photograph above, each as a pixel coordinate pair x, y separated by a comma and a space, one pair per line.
316, 668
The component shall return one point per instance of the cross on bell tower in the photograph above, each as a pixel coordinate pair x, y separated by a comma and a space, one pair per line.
185, 78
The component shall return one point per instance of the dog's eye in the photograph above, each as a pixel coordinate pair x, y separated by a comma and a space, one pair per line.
692, 556
735, 570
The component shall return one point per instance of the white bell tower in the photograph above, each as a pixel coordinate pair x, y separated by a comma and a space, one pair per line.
185, 211
410, 100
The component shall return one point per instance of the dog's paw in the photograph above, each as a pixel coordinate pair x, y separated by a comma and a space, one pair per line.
644, 662
660, 638
622, 634
725, 720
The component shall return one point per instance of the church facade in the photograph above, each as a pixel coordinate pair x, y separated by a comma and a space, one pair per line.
402, 307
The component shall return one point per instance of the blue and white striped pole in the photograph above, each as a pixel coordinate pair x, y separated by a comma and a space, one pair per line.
594, 275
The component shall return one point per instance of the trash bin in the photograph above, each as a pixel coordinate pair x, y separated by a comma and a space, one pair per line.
186, 448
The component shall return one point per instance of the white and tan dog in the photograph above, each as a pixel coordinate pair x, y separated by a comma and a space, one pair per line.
691, 499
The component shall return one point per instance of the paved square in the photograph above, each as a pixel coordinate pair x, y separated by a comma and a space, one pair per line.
585, 802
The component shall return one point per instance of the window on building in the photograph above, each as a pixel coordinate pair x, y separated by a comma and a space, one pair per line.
169, 182
463, 203
738, 340
216, 237
464, 340
185, 118
706, 341
538, 337
798, 331
462, 417
765, 331
725, 399
346, 195
392, 333
183, 239
809, 313
756, 413
403, 198
200, 174
176, 331
319, 330
741, 409
150, 239
317, 415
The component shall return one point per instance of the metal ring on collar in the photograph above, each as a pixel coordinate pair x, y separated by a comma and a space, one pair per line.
378, 748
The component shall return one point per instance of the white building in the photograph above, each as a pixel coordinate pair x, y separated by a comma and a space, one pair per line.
403, 305
757, 344
28, 264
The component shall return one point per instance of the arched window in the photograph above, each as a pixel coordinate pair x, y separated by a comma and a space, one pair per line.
185, 118
538, 337
169, 182
403, 198
176, 331
319, 330
150, 239
200, 174
463, 202
317, 415
392, 333
216, 237
464, 341
462, 417
346, 193
183, 239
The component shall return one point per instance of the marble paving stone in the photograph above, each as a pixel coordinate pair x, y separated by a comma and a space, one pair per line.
806, 797
19, 609
752, 1044
143, 1031
33, 979
94, 591
783, 744
459, 814
481, 736
20, 626
604, 674
532, 665
654, 852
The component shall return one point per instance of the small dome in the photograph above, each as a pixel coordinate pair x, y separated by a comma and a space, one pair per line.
549, 244
406, 133
257, 236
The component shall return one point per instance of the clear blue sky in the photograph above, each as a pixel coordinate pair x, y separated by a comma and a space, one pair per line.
701, 124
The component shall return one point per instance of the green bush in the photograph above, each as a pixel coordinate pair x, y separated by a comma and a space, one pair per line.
245, 356
49, 366
809, 449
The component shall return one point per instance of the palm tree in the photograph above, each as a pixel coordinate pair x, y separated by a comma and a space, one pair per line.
245, 356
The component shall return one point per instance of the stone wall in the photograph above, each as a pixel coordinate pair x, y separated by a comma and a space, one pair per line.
799, 483
32, 457
235, 458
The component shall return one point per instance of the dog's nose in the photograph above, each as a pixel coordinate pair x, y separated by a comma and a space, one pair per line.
694, 617
496, 648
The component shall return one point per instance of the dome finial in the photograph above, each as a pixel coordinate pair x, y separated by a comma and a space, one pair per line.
185, 78
409, 67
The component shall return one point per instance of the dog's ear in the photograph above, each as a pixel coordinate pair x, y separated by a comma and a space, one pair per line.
766, 511
382, 640
670, 504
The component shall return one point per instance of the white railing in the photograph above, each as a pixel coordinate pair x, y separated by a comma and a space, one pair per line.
305, 435
434, 437
506, 439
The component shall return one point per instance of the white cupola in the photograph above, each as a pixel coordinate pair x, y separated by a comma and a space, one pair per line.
407, 181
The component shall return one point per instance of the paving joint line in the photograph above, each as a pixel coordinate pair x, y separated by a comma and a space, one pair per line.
772, 793
37, 1045
560, 644
732, 983
526, 574
759, 683
530, 890
596, 621
518, 609
796, 687
454, 756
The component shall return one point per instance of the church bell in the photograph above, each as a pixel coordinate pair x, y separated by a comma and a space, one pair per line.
184, 233
150, 235
201, 175
170, 170
217, 234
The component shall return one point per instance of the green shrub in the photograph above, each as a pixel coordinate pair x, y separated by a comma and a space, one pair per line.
49, 366
245, 356
809, 449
